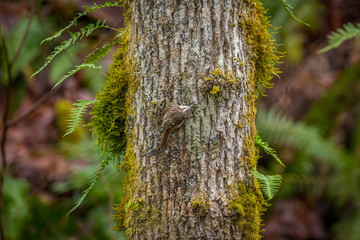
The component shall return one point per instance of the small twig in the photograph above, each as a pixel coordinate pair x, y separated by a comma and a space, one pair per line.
114, 29
32, 109
9, 87
4, 130
18, 51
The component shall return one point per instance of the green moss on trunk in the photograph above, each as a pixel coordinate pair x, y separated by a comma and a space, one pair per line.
249, 204
112, 114
201, 204
247, 200
255, 25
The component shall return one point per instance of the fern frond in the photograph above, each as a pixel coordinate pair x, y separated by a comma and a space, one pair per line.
311, 145
93, 179
79, 15
269, 184
288, 8
99, 53
268, 149
86, 31
57, 50
75, 70
340, 35
281, 130
76, 115
89, 61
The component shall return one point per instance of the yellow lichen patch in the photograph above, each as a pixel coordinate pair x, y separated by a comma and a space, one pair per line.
200, 203
215, 90
230, 76
219, 81
216, 73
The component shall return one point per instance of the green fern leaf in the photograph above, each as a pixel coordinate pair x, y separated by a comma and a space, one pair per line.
99, 53
93, 180
288, 8
73, 38
268, 149
76, 115
89, 61
58, 49
75, 70
339, 36
79, 15
281, 130
269, 184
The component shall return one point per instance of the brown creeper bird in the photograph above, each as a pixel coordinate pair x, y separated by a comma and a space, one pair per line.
173, 119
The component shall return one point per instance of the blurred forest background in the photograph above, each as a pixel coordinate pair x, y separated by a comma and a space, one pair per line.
311, 117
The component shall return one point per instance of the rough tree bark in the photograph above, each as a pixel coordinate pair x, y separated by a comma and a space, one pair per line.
214, 54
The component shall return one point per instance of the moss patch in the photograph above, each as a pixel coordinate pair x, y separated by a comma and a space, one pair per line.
128, 206
110, 110
263, 51
248, 206
247, 201
200, 204
112, 114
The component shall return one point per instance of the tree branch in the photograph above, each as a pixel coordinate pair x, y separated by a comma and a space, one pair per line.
32, 109
18, 51
4, 130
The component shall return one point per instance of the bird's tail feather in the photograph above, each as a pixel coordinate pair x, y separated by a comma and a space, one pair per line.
164, 139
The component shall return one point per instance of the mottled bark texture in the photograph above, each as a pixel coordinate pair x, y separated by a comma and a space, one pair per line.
191, 52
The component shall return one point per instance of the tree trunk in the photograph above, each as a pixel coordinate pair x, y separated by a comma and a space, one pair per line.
214, 55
